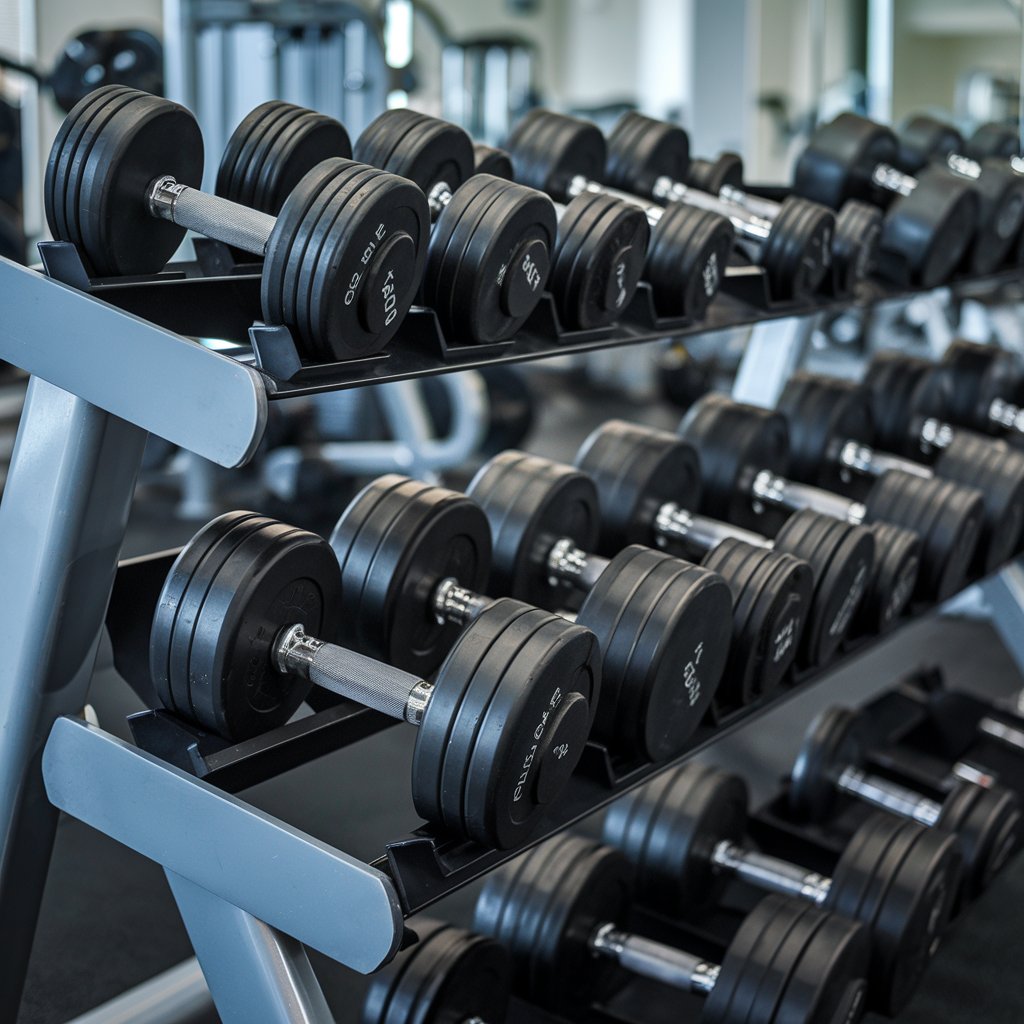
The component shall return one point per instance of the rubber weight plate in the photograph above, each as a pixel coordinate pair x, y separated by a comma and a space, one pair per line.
490, 257
544, 906
447, 977
1000, 193
664, 627
993, 139
833, 741
735, 442
548, 150
598, 259
669, 829
771, 594
841, 557
714, 175
947, 517
642, 150
900, 389
686, 261
636, 471
506, 723
982, 374
797, 255
918, 870
893, 579
395, 543
854, 245
531, 503
363, 278
489, 160
987, 827
924, 139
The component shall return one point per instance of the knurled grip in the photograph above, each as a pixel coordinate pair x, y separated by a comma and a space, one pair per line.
218, 218
364, 680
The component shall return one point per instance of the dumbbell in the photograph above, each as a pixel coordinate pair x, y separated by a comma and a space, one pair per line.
926, 141
233, 647
834, 423
793, 244
449, 976
931, 223
986, 822
639, 476
559, 909
600, 253
663, 625
689, 248
855, 236
684, 834
342, 262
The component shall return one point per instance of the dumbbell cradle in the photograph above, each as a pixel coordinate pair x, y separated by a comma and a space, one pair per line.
599, 255
684, 834
794, 245
557, 912
235, 647
121, 185
986, 822
664, 624
688, 249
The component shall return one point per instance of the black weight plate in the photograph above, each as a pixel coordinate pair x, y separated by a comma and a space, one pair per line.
771, 594
735, 442
641, 150
447, 977
395, 543
982, 374
664, 627
259, 149
1000, 192
419, 147
531, 503
839, 159
833, 741
987, 827
823, 413
96, 58
841, 557
669, 829
489, 160
637, 470
947, 517
489, 261
797, 255
543, 908
598, 259
854, 245
993, 139
277, 576
229, 174
893, 580
924, 139
997, 471
920, 871
686, 261
900, 388
169, 603
926, 235
714, 175
548, 150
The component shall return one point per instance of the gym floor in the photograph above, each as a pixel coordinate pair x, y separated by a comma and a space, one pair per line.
108, 921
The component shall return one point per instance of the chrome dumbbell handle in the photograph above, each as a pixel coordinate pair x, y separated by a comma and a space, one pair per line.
578, 186
365, 680
228, 222
772, 491
570, 564
653, 960
697, 533
454, 603
1006, 415
887, 177
890, 796
863, 460
747, 224
770, 873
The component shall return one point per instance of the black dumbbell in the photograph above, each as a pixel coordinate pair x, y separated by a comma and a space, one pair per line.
948, 517
448, 976
931, 223
836, 423
559, 911
689, 248
664, 625
600, 253
685, 835
995, 138
855, 236
490, 248
986, 822
794, 244
926, 141
342, 261
500, 728
640, 478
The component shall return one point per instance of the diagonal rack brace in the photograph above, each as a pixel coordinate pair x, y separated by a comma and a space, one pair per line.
265, 867
166, 384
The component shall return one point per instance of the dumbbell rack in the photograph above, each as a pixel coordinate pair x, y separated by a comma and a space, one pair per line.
110, 363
